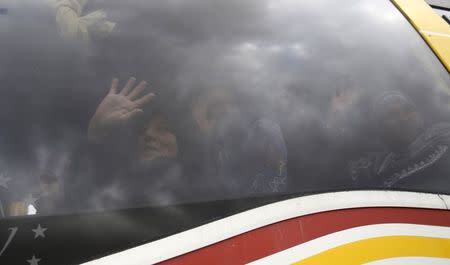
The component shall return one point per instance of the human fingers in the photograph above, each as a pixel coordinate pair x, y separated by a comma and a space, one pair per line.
144, 100
129, 85
114, 84
137, 90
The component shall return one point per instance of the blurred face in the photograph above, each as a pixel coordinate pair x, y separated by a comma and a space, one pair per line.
158, 141
344, 100
341, 106
400, 124
211, 107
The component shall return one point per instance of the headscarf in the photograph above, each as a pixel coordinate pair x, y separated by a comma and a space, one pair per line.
388, 98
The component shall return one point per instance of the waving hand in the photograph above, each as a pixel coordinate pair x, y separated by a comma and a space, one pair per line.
118, 107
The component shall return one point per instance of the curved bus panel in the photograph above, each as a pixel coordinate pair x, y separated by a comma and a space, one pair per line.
355, 227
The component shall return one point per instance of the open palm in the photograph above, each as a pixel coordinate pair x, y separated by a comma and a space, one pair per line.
118, 107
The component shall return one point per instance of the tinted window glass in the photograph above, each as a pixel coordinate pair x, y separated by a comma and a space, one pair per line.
123, 104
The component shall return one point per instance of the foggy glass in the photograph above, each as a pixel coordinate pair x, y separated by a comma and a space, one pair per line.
242, 99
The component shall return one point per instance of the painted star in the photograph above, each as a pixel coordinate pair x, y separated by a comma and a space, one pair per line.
34, 261
30, 200
39, 231
4, 181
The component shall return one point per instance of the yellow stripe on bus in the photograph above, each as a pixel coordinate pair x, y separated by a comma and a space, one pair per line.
379, 248
426, 21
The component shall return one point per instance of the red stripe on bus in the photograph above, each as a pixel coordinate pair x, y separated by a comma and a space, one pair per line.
270, 239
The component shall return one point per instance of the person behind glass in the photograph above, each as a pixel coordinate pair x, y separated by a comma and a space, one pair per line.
416, 156
137, 145
244, 157
346, 133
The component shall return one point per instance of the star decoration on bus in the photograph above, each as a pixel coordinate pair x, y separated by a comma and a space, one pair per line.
4, 181
34, 260
39, 231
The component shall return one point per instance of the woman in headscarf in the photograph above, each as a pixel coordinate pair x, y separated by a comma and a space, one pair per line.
241, 156
132, 156
415, 158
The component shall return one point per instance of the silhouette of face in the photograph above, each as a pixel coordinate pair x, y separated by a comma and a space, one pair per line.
158, 140
342, 106
211, 107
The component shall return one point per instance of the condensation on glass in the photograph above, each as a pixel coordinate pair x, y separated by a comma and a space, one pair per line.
122, 104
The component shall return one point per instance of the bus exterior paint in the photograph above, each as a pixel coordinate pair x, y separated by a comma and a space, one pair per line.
353, 226
433, 29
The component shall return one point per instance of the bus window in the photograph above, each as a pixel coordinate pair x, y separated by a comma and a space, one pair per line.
114, 105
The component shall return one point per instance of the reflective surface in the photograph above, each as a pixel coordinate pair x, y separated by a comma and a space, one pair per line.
239, 99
